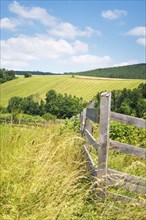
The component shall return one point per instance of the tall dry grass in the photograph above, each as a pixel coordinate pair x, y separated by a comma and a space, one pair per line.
43, 177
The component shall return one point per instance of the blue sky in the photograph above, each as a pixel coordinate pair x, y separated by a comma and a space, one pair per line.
67, 36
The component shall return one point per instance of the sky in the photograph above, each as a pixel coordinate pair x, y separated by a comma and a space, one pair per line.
72, 35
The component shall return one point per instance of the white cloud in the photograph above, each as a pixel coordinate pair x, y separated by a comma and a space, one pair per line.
34, 13
26, 47
67, 30
137, 31
126, 63
88, 61
113, 14
9, 23
90, 58
141, 41
37, 49
59, 29
15, 64
47, 54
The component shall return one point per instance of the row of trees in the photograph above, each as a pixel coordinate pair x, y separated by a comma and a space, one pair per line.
136, 71
128, 102
62, 106
6, 75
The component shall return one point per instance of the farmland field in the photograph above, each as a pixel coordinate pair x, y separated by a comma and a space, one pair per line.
85, 87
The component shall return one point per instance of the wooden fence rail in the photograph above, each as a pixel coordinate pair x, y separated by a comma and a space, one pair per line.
103, 115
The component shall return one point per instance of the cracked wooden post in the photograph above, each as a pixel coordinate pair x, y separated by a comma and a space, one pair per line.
105, 105
89, 125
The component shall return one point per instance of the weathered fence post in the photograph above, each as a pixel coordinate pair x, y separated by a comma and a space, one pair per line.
105, 105
89, 123
83, 120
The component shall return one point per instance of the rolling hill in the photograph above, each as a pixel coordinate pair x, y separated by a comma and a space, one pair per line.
136, 71
85, 87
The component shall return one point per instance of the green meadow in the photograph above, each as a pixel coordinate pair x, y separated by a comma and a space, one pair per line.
85, 87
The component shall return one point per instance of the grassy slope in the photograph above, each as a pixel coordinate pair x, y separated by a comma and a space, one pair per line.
43, 178
81, 87
137, 71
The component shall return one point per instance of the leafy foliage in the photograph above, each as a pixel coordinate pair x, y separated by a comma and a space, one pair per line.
142, 89
128, 102
56, 105
6, 75
33, 73
27, 74
128, 134
78, 86
136, 71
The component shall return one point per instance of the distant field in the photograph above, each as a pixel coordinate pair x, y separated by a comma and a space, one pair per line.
85, 87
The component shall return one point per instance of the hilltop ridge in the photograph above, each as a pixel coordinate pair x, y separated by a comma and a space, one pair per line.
135, 71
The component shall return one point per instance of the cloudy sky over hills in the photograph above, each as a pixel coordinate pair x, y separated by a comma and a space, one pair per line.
64, 36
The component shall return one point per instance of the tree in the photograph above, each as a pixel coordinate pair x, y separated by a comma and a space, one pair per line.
6, 75
15, 104
26, 75
142, 89
29, 106
126, 101
63, 106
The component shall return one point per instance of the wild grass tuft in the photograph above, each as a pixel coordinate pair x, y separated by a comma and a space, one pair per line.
43, 177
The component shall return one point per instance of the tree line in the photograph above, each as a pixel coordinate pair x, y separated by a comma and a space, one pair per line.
128, 102
55, 104
136, 71
6, 75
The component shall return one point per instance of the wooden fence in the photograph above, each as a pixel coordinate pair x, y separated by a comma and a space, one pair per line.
103, 115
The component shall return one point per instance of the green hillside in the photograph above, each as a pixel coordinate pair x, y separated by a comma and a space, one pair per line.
79, 86
137, 71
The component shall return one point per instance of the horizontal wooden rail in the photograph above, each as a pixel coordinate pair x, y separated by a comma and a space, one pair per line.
125, 199
91, 140
126, 119
92, 114
107, 176
128, 149
122, 184
128, 178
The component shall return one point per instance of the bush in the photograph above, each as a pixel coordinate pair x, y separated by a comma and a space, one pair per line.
48, 116
26, 75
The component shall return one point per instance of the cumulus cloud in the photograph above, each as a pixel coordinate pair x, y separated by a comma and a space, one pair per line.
15, 64
126, 63
113, 14
9, 23
34, 13
25, 52
59, 29
88, 61
67, 30
90, 58
27, 47
58, 50
138, 32
141, 41
38, 48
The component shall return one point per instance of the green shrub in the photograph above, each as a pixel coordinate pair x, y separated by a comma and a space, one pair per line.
48, 116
